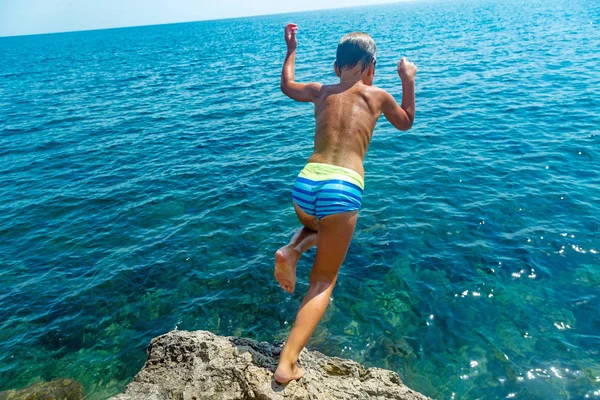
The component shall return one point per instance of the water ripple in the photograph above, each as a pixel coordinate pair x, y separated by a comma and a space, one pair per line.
146, 175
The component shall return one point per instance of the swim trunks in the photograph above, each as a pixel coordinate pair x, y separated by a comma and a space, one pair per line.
324, 189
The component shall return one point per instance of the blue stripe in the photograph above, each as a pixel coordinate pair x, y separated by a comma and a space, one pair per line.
341, 192
309, 212
303, 197
304, 186
335, 199
304, 180
336, 205
305, 203
332, 204
329, 181
345, 183
343, 188
306, 210
336, 210
328, 207
309, 193
321, 214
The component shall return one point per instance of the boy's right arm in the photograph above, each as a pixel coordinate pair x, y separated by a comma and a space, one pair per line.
402, 117
304, 92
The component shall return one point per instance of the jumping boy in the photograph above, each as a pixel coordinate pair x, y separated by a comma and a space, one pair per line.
328, 191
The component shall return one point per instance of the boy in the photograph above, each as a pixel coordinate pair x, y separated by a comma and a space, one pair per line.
328, 191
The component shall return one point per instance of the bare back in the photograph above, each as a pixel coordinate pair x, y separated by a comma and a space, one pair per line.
346, 113
345, 119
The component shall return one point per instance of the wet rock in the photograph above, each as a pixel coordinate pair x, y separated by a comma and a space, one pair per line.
202, 366
60, 389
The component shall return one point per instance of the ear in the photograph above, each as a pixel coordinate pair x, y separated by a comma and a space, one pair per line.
336, 69
372, 68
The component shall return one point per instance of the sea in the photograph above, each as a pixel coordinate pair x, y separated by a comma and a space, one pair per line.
146, 177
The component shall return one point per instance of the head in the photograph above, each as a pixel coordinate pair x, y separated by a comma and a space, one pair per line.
356, 52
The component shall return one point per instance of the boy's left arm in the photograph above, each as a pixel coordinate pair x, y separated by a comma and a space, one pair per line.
403, 116
304, 92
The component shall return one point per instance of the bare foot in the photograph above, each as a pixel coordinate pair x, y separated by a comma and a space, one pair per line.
286, 373
285, 267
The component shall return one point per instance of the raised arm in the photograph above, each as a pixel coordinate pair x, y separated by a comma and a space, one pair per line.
402, 117
298, 91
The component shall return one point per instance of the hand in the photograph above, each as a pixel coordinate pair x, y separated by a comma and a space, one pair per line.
290, 36
406, 69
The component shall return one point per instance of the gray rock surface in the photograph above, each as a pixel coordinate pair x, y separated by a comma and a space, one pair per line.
202, 366
60, 389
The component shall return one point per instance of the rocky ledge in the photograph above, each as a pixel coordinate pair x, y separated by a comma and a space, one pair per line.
201, 366
60, 389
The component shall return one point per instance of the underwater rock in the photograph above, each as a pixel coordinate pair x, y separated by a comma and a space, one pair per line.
200, 365
60, 389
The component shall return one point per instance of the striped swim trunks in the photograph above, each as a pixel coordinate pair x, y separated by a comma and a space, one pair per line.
324, 189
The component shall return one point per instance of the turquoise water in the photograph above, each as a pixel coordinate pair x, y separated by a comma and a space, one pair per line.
146, 174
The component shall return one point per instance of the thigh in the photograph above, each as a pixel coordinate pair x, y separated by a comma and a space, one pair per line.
309, 221
333, 241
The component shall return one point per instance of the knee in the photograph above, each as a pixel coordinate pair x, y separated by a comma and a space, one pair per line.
322, 281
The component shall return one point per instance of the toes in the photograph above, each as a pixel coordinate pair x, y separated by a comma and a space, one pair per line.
286, 287
285, 284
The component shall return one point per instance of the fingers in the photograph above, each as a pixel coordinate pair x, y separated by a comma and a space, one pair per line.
291, 30
405, 64
402, 64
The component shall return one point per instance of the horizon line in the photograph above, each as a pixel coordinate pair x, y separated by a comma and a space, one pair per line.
203, 20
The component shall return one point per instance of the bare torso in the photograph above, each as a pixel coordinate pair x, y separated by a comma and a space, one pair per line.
345, 119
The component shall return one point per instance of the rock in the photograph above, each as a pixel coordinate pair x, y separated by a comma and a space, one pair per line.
60, 389
202, 366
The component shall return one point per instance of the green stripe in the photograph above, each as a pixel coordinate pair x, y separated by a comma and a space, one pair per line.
324, 172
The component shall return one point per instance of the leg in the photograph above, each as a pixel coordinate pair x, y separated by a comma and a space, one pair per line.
287, 257
335, 234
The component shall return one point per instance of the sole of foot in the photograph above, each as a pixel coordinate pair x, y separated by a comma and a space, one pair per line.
285, 269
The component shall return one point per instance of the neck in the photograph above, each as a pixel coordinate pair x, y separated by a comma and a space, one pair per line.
351, 76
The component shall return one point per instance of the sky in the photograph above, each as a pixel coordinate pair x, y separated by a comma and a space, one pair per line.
22, 17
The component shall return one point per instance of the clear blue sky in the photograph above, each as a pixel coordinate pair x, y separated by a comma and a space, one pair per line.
21, 17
